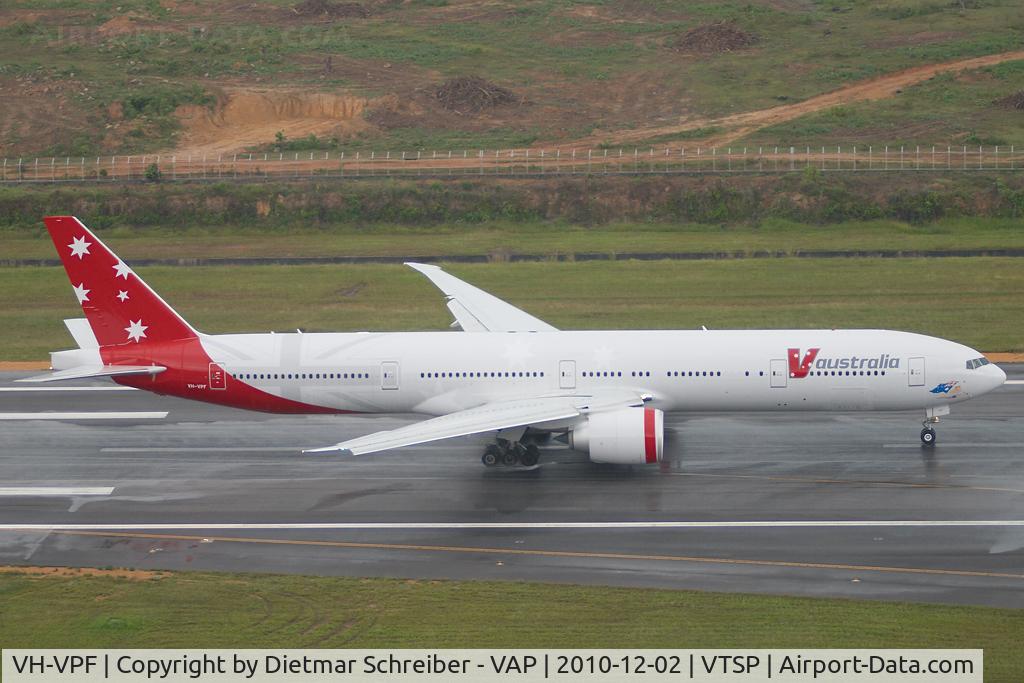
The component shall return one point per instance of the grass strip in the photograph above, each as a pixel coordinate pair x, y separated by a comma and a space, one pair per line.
128, 609
973, 300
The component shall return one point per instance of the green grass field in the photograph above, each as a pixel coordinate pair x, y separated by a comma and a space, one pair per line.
546, 238
973, 300
243, 610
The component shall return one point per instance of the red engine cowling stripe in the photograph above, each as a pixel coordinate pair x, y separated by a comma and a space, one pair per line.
650, 437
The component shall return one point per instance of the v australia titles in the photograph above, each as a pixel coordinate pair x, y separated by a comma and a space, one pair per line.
800, 366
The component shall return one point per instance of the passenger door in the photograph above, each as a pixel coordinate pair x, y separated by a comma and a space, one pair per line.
218, 378
389, 375
779, 371
915, 376
567, 374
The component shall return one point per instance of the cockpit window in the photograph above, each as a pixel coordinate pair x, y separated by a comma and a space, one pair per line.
977, 363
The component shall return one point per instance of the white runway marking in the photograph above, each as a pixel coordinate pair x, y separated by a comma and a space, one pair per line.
210, 449
159, 415
56, 491
20, 389
976, 444
386, 526
1014, 381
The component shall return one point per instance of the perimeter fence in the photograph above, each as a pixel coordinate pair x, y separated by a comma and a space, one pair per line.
511, 162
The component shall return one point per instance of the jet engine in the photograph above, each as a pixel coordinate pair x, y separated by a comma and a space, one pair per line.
630, 436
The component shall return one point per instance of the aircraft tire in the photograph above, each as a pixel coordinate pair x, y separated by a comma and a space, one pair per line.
928, 436
510, 457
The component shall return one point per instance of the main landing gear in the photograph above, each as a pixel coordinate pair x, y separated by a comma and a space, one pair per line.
510, 454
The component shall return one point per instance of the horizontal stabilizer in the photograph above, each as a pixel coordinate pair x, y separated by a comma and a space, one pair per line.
87, 371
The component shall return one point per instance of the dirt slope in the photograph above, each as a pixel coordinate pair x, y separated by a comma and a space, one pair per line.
247, 117
739, 125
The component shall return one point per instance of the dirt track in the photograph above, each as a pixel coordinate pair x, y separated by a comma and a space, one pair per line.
742, 124
248, 118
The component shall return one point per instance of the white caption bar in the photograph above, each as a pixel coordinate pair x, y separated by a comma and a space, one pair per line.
522, 666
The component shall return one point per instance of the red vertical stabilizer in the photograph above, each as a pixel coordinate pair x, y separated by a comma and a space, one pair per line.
120, 307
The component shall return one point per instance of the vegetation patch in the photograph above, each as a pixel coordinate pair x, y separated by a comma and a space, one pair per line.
720, 36
332, 10
1014, 101
471, 94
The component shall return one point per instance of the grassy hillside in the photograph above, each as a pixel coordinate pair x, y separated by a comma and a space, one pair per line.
164, 609
83, 78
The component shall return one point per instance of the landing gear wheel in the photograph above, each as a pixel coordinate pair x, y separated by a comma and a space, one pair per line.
511, 456
928, 436
530, 457
491, 456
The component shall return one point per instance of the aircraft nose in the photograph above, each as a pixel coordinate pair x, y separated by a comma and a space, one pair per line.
1000, 376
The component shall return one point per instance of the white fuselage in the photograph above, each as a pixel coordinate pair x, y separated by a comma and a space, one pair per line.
440, 372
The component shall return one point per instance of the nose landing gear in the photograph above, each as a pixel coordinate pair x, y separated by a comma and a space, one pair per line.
510, 454
931, 417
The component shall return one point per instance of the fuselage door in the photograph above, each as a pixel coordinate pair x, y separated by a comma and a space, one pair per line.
389, 375
915, 377
567, 374
779, 373
218, 378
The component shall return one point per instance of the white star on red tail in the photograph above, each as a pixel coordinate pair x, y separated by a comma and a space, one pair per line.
122, 296
122, 270
136, 330
82, 293
79, 247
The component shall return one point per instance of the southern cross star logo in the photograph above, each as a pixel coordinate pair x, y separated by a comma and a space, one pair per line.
122, 295
122, 270
136, 330
79, 247
82, 293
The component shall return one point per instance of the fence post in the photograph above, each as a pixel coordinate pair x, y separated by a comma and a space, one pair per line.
997, 157
979, 157
963, 157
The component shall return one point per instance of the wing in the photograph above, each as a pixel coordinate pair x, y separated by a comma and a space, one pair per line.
490, 417
477, 311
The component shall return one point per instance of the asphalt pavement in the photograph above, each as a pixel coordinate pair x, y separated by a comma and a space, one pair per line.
813, 504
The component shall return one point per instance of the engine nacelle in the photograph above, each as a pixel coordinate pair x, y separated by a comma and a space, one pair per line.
630, 436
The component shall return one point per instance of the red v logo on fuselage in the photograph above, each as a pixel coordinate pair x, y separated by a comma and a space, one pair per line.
799, 368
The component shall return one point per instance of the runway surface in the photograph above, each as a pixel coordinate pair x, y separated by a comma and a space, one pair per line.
802, 504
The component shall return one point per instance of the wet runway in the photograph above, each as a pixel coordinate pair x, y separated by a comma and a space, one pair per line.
802, 504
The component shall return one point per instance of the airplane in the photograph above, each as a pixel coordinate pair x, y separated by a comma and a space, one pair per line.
503, 371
